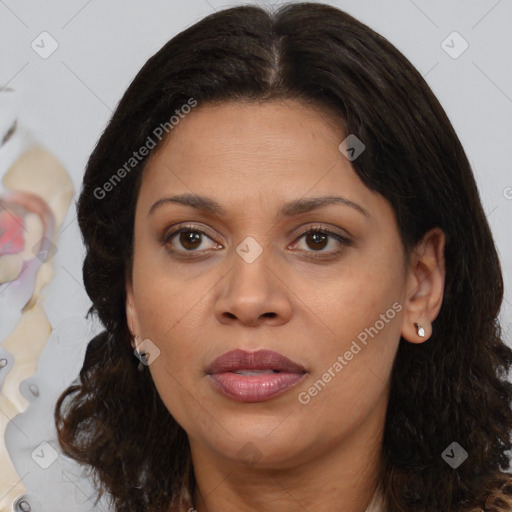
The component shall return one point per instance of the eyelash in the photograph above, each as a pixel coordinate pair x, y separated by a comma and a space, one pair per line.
345, 242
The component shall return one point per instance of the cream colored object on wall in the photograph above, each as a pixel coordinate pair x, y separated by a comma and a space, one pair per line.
34, 200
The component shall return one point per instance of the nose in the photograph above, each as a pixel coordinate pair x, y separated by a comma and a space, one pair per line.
252, 293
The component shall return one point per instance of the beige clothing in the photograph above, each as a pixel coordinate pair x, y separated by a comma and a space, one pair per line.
376, 505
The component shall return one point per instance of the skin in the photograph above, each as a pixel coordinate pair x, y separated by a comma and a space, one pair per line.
251, 158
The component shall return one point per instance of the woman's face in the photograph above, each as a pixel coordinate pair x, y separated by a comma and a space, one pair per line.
243, 275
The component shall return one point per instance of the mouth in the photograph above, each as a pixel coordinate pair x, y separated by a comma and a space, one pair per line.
254, 376
255, 372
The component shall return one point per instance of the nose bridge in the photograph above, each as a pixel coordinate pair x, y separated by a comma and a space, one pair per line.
251, 277
252, 288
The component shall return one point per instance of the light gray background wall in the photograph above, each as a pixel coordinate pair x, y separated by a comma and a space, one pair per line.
68, 98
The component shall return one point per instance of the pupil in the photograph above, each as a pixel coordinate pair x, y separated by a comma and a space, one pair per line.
189, 238
318, 238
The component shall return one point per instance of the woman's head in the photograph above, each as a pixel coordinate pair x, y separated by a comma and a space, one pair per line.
252, 278
257, 111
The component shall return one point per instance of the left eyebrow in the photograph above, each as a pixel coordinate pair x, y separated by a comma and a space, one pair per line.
312, 203
289, 209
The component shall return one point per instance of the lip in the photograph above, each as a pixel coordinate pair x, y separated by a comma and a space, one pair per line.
254, 388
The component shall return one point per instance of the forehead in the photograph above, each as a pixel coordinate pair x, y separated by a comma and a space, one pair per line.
253, 152
284, 130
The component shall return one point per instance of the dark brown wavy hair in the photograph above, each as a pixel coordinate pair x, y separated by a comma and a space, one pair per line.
453, 387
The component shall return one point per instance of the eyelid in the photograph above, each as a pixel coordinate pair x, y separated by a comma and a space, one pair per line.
325, 229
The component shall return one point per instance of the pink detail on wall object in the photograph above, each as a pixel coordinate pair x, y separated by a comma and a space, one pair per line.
11, 233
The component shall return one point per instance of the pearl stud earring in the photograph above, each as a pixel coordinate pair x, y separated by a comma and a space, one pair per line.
420, 330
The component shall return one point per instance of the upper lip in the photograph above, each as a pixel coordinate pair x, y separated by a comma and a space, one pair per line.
260, 360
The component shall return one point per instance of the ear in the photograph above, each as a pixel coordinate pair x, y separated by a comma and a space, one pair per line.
131, 312
425, 285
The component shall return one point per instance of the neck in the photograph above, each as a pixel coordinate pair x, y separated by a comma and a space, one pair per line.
342, 477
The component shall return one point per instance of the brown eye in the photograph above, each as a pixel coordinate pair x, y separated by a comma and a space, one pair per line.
189, 239
318, 238
317, 241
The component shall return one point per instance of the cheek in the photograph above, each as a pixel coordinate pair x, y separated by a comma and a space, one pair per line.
362, 310
173, 311
165, 294
350, 378
353, 298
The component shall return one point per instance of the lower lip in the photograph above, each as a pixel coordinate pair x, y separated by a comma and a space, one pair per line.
254, 388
